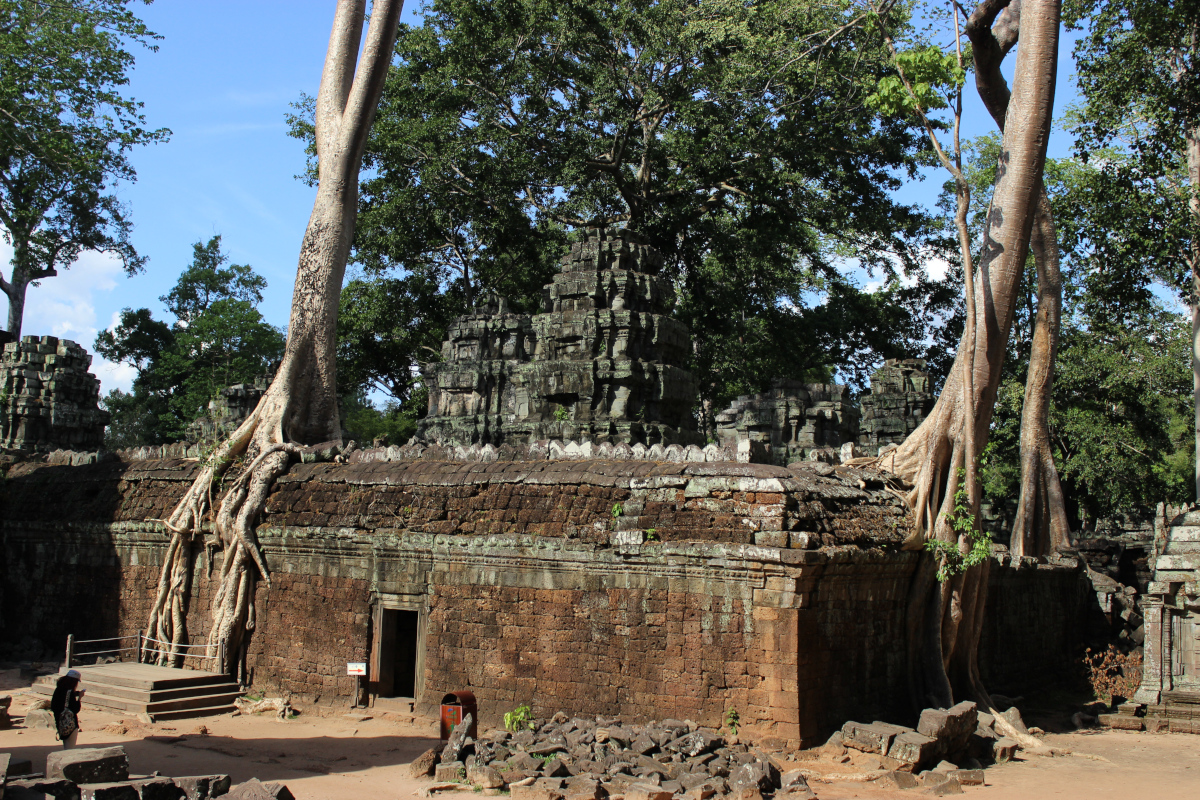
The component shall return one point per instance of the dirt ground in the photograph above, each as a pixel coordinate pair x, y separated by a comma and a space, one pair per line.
337, 758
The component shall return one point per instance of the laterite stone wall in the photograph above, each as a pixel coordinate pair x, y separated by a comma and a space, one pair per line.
636, 588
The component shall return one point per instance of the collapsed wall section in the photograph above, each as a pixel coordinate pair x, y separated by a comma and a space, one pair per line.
636, 588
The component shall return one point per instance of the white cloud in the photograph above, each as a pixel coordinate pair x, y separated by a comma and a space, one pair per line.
65, 306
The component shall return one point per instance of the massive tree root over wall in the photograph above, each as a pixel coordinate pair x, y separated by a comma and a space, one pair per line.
946, 615
300, 407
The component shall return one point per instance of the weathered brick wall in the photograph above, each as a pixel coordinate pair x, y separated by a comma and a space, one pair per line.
1034, 636
779, 594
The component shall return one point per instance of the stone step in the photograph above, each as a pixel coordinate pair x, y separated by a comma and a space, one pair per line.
146, 695
191, 713
150, 690
1181, 698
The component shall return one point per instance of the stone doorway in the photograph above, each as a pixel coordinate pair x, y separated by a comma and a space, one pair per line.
397, 651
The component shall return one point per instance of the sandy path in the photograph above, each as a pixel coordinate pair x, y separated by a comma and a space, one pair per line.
335, 758
317, 757
1134, 766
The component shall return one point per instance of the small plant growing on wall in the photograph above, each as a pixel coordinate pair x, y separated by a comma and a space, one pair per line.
562, 414
732, 720
520, 718
617, 510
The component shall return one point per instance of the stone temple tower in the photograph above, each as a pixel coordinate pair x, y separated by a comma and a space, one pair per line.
603, 361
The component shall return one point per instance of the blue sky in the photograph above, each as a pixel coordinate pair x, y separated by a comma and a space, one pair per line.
222, 81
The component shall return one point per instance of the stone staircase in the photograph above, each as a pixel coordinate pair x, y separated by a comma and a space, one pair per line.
150, 691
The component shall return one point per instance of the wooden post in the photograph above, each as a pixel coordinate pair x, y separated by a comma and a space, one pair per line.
141, 634
220, 667
70, 648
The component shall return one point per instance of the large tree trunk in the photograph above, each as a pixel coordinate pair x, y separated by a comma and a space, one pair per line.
1193, 165
23, 274
1040, 526
300, 406
946, 621
15, 290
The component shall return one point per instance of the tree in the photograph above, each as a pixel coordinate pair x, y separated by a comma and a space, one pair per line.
946, 615
65, 135
1138, 71
734, 136
300, 406
1122, 387
219, 338
1040, 526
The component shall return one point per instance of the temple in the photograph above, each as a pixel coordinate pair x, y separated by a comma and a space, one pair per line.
603, 361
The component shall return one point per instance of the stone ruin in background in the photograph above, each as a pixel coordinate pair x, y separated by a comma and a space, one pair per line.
602, 362
792, 422
48, 398
599, 372
897, 404
227, 411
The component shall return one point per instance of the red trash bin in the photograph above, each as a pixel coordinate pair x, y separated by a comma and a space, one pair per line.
456, 706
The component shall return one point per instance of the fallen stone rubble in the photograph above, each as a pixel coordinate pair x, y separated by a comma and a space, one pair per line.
590, 759
102, 773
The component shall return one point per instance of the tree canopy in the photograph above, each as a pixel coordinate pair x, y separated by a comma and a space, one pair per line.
218, 338
66, 131
734, 136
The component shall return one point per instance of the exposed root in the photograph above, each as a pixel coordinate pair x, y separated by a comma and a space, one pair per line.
168, 616
232, 606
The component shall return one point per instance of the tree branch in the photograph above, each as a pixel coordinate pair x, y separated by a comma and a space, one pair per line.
337, 76
368, 83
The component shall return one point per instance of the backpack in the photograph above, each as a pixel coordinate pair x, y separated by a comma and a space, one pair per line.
67, 724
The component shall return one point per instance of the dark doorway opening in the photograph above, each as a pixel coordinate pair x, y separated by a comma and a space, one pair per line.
404, 683
399, 632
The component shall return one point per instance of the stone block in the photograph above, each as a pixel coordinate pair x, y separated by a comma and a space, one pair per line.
255, 789
1004, 749
89, 765
1184, 726
450, 771
643, 791
875, 737
203, 787
967, 777
456, 746
39, 718
41, 789
913, 748
1156, 725
898, 779
759, 774
422, 766
484, 777
697, 743
1121, 722
122, 790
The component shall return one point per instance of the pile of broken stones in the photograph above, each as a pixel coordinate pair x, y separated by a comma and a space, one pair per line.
592, 759
102, 773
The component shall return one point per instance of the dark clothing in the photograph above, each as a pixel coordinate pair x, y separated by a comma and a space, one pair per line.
63, 699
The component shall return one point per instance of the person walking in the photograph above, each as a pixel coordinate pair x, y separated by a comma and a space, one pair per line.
65, 706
